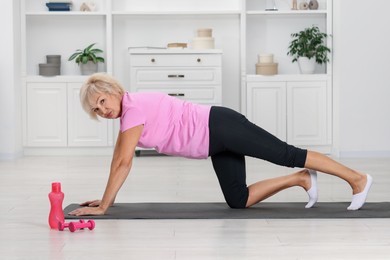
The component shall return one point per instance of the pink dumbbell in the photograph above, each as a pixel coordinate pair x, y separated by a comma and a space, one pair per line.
73, 226
63, 225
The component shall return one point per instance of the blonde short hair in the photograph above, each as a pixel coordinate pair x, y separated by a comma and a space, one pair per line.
98, 83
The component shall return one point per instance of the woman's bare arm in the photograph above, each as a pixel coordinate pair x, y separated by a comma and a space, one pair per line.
120, 168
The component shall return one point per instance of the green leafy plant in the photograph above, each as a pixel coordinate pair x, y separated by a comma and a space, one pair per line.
88, 54
309, 43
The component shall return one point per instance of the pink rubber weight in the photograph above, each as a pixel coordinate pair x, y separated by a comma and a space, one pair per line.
63, 225
73, 226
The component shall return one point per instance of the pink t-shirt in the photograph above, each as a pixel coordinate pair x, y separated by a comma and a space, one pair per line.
172, 126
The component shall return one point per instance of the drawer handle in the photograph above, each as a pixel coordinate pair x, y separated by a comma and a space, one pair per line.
199, 60
175, 76
153, 60
176, 94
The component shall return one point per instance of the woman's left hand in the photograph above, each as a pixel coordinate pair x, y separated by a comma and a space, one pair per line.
87, 211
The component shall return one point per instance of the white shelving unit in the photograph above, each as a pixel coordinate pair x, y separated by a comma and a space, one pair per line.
297, 108
53, 120
241, 28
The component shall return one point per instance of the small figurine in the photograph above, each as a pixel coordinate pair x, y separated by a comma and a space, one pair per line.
313, 5
88, 7
85, 8
294, 5
303, 6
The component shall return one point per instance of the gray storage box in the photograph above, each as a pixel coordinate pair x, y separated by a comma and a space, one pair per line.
49, 69
53, 59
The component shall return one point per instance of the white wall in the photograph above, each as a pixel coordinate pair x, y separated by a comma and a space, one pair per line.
10, 87
362, 76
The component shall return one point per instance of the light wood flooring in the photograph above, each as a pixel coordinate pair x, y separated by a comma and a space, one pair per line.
24, 232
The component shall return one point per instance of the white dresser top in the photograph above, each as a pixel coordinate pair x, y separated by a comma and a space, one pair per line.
136, 50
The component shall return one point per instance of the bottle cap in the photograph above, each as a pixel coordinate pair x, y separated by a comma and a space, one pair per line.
56, 187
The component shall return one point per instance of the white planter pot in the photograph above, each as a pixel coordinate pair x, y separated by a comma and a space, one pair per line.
88, 68
306, 66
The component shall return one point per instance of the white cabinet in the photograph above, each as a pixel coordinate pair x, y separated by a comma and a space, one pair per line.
46, 114
82, 130
296, 108
267, 106
192, 75
297, 111
54, 118
307, 113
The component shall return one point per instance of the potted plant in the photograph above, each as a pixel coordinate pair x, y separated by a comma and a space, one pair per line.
308, 47
87, 59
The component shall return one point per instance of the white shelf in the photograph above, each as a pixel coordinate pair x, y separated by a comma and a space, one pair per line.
227, 12
286, 77
288, 12
65, 13
171, 51
58, 79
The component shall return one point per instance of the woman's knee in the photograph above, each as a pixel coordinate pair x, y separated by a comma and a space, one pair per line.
236, 205
238, 199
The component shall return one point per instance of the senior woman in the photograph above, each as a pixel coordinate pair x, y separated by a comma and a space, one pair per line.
181, 128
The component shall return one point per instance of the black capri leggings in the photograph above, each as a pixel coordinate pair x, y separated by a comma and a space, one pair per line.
232, 137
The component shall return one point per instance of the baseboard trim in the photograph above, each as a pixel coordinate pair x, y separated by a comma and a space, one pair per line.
364, 154
10, 156
98, 151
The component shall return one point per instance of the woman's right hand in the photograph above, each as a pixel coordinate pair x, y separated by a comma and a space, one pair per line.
91, 203
87, 211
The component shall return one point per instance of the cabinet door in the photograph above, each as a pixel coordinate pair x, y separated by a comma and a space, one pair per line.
46, 114
307, 113
266, 103
82, 130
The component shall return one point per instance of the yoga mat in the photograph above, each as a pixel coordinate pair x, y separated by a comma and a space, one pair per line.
263, 210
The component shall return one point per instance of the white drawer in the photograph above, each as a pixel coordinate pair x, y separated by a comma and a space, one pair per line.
161, 60
205, 96
176, 76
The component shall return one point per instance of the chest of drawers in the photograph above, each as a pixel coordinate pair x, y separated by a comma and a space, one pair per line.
193, 75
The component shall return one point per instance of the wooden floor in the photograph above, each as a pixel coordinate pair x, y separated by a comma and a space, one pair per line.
24, 232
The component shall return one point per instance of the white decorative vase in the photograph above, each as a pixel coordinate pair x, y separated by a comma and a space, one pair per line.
88, 68
306, 66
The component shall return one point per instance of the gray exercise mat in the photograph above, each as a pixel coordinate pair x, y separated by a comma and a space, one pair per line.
264, 210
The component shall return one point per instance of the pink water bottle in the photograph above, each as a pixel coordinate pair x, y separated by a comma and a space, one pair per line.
56, 197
